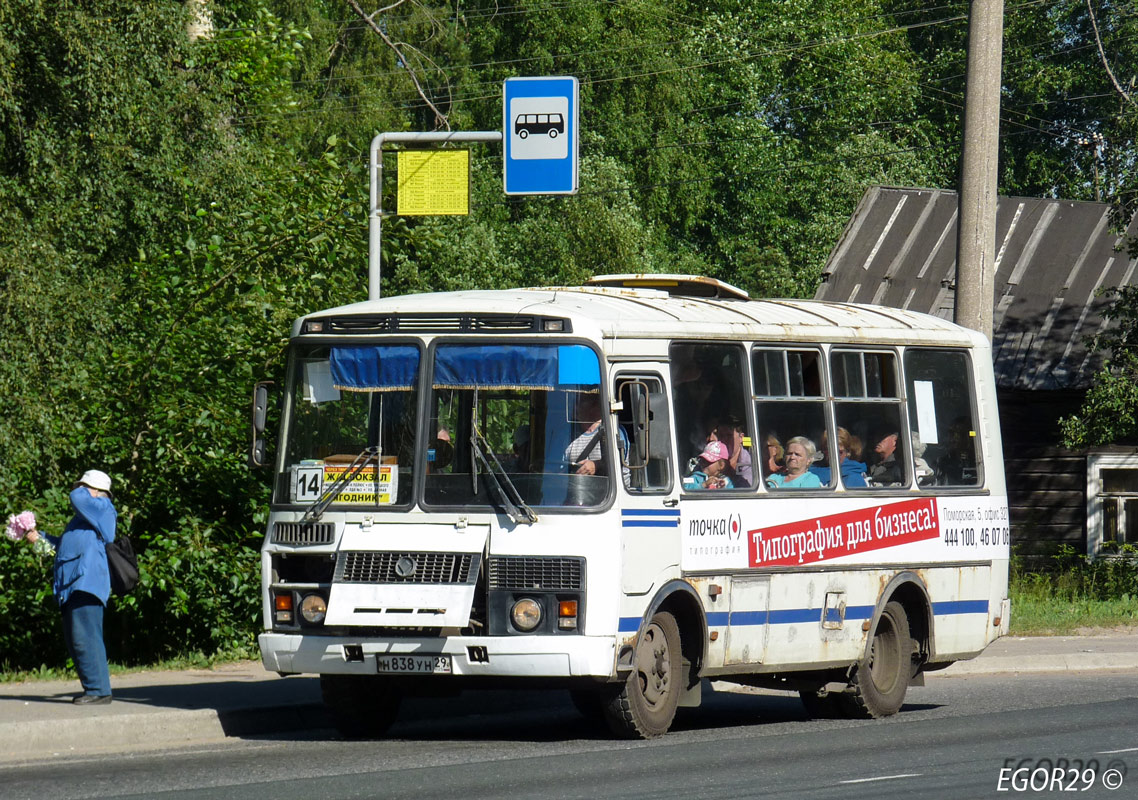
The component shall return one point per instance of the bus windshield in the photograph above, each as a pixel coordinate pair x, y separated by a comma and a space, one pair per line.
507, 426
348, 400
519, 420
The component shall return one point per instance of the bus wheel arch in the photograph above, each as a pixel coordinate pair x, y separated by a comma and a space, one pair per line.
661, 665
898, 644
908, 589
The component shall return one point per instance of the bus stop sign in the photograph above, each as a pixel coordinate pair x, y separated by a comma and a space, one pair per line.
539, 133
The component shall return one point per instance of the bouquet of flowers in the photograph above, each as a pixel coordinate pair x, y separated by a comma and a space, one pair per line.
19, 525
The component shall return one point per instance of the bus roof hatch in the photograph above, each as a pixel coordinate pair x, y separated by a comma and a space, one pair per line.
679, 285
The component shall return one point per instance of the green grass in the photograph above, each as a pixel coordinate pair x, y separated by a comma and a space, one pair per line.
1035, 616
1073, 594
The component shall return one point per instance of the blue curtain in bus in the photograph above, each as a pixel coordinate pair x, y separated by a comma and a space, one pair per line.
516, 367
374, 368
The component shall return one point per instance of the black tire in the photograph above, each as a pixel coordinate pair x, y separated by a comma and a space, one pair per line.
361, 706
822, 704
878, 684
552, 133
523, 134
645, 704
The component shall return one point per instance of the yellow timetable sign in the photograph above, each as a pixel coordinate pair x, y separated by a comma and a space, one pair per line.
433, 182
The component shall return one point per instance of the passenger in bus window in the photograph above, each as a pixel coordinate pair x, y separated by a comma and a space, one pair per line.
707, 432
440, 454
850, 466
957, 467
888, 471
799, 456
586, 453
730, 433
923, 471
773, 455
711, 469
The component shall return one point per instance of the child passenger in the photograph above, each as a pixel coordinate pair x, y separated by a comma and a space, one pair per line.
710, 469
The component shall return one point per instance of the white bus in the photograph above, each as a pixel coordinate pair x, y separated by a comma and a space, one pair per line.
490, 488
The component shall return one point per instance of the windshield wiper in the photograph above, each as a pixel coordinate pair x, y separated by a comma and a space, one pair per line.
317, 509
515, 508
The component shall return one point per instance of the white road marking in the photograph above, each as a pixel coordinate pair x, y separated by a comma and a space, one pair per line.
883, 778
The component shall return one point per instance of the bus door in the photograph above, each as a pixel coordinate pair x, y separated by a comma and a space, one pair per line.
649, 497
749, 601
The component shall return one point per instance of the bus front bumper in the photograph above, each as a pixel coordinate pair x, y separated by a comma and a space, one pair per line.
486, 656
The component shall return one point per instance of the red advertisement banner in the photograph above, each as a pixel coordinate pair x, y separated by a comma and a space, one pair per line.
823, 538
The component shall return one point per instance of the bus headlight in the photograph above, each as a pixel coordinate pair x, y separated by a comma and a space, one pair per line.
313, 608
526, 614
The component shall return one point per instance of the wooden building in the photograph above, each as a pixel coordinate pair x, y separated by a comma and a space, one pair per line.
1054, 258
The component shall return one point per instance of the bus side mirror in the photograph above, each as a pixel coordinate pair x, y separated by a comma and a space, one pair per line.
659, 436
639, 411
258, 455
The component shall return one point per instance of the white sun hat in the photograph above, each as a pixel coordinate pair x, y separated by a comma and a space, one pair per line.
96, 479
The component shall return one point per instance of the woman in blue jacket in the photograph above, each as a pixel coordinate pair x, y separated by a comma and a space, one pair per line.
82, 582
851, 470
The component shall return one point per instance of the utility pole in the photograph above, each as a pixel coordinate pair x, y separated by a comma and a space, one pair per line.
976, 231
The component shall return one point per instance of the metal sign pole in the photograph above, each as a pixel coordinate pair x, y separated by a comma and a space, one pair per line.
375, 214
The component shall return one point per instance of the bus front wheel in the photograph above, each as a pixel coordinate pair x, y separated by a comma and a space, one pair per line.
877, 687
361, 706
645, 704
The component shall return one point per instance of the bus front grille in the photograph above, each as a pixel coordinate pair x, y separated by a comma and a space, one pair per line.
381, 567
302, 533
532, 572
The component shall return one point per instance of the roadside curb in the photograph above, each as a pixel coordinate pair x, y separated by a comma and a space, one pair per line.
1080, 662
186, 708
40, 739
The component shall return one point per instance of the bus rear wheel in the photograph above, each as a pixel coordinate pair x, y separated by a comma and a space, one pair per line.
645, 704
878, 684
361, 706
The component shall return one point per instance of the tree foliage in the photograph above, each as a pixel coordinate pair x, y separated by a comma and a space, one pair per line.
169, 204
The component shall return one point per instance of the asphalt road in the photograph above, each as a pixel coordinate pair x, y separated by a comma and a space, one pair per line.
952, 740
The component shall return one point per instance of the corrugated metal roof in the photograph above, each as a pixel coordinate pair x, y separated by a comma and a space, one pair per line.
1052, 259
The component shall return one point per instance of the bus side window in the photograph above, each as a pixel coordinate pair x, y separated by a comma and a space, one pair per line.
643, 422
941, 415
869, 415
789, 403
709, 382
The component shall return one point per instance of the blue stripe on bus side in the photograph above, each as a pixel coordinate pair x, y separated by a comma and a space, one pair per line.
787, 616
650, 518
748, 618
960, 607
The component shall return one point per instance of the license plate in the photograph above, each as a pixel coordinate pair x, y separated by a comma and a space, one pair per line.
418, 665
